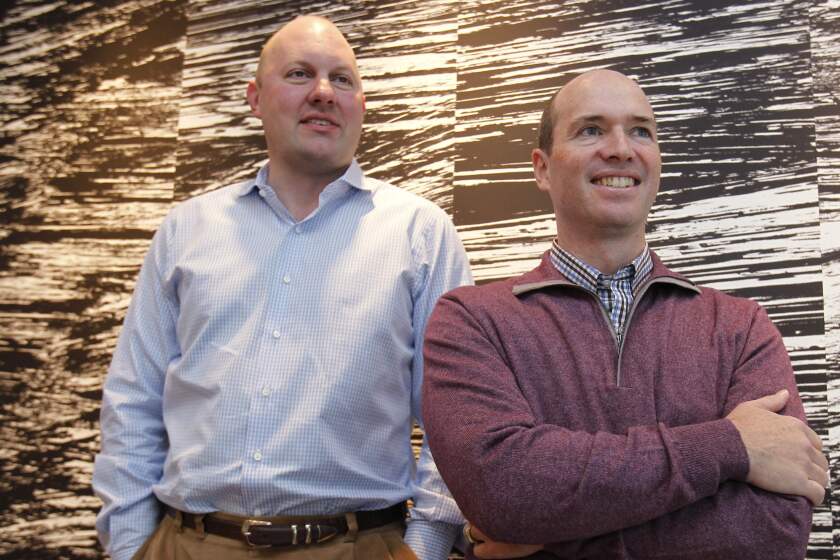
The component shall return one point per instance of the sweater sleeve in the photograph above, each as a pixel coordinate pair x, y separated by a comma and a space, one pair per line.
739, 520
655, 491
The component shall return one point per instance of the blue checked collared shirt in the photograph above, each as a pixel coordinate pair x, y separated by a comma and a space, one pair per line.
616, 292
274, 367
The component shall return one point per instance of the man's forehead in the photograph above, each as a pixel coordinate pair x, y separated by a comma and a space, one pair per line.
310, 46
598, 118
313, 56
608, 96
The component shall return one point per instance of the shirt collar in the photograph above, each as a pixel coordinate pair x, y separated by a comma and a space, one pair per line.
547, 276
642, 265
352, 177
587, 276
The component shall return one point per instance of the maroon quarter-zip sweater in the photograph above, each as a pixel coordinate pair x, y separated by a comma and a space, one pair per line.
547, 431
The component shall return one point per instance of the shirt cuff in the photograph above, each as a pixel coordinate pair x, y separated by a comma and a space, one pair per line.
430, 540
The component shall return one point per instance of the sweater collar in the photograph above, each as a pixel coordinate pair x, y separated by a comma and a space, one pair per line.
546, 275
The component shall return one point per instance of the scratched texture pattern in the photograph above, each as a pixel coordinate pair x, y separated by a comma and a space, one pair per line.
89, 94
825, 64
113, 110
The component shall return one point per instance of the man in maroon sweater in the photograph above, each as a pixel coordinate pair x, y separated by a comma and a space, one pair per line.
602, 405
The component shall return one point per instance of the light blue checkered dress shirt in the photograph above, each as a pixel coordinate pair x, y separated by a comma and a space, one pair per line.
615, 291
274, 367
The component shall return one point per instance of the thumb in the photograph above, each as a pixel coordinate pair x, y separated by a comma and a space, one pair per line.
774, 402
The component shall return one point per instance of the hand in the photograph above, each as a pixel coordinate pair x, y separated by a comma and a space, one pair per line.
785, 454
486, 548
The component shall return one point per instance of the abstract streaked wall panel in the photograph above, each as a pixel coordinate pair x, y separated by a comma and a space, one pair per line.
90, 104
114, 110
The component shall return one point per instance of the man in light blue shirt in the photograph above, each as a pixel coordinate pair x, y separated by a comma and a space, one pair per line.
269, 369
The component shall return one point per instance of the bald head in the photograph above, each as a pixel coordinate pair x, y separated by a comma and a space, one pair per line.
311, 29
600, 163
579, 87
308, 95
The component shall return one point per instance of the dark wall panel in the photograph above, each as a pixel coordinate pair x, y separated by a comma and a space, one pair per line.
87, 166
825, 64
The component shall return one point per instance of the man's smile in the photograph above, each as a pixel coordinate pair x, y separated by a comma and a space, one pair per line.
616, 181
319, 120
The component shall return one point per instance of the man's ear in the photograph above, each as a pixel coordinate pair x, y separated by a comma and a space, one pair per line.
253, 95
539, 159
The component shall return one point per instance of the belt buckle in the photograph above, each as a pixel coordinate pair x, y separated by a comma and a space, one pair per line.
246, 532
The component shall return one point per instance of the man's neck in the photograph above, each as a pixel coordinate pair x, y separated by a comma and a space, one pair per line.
299, 191
606, 253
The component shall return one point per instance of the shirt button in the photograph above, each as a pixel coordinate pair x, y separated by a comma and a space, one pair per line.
276, 334
265, 392
298, 229
257, 456
287, 279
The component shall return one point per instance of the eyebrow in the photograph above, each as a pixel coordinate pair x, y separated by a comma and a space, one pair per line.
307, 64
599, 118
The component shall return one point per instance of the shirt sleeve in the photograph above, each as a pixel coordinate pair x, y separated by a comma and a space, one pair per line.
654, 491
134, 441
435, 518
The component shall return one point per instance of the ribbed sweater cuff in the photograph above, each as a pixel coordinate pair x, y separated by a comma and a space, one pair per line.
713, 453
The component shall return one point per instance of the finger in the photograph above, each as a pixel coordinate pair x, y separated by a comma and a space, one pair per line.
478, 534
489, 551
818, 475
815, 492
494, 549
818, 459
813, 437
773, 403
480, 551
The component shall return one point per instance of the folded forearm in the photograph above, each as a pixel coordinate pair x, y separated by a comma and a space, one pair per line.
544, 484
739, 521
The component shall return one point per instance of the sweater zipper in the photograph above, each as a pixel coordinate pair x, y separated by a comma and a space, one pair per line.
620, 345
630, 313
636, 299
607, 320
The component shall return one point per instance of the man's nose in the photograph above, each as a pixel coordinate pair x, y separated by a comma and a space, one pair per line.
616, 146
322, 91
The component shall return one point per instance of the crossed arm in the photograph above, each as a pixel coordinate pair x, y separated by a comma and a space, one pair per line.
725, 488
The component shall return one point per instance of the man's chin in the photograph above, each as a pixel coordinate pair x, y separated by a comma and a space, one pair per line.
325, 164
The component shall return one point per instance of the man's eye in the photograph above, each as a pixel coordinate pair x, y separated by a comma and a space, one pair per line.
590, 131
297, 74
343, 80
643, 132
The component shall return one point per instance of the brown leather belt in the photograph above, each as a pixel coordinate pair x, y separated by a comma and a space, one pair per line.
262, 532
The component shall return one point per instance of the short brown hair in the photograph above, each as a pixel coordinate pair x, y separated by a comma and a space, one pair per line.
545, 134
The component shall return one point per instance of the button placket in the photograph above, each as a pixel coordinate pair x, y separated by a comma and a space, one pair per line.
257, 449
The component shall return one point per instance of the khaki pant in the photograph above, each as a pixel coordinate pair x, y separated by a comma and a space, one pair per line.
169, 542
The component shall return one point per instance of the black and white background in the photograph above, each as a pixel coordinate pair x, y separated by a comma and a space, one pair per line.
112, 111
